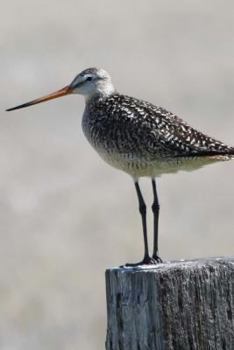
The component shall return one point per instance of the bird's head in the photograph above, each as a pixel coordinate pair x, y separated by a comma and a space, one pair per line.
90, 82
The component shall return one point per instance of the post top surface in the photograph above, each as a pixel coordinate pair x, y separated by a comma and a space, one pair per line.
177, 264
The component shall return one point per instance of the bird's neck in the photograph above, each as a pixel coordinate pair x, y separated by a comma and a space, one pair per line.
103, 90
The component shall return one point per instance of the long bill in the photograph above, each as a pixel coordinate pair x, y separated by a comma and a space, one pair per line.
62, 92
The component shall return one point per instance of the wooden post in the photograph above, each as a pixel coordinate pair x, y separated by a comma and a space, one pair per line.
184, 305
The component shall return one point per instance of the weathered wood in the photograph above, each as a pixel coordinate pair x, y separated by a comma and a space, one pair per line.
185, 305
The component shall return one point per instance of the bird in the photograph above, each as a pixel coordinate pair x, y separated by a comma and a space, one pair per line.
139, 138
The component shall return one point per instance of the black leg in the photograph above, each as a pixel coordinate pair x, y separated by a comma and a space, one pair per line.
142, 209
155, 209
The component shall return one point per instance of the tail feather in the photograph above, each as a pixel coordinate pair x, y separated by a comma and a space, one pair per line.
227, 153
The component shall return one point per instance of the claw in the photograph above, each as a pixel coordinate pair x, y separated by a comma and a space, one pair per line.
157, 259
146, 261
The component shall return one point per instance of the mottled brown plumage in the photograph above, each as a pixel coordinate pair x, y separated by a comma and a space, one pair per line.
146, 140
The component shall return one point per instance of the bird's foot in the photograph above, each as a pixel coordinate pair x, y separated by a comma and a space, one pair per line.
146, 261
157, 259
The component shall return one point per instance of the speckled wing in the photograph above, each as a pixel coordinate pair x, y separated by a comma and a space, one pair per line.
125, 125
182, 140
139, 127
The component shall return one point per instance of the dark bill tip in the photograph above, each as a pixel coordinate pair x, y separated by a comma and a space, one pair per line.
18, 107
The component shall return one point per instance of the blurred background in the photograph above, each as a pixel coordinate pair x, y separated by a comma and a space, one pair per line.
66, 216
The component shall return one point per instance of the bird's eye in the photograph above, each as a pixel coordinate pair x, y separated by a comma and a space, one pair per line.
89, 78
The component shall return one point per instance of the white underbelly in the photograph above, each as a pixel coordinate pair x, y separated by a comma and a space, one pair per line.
140, 168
